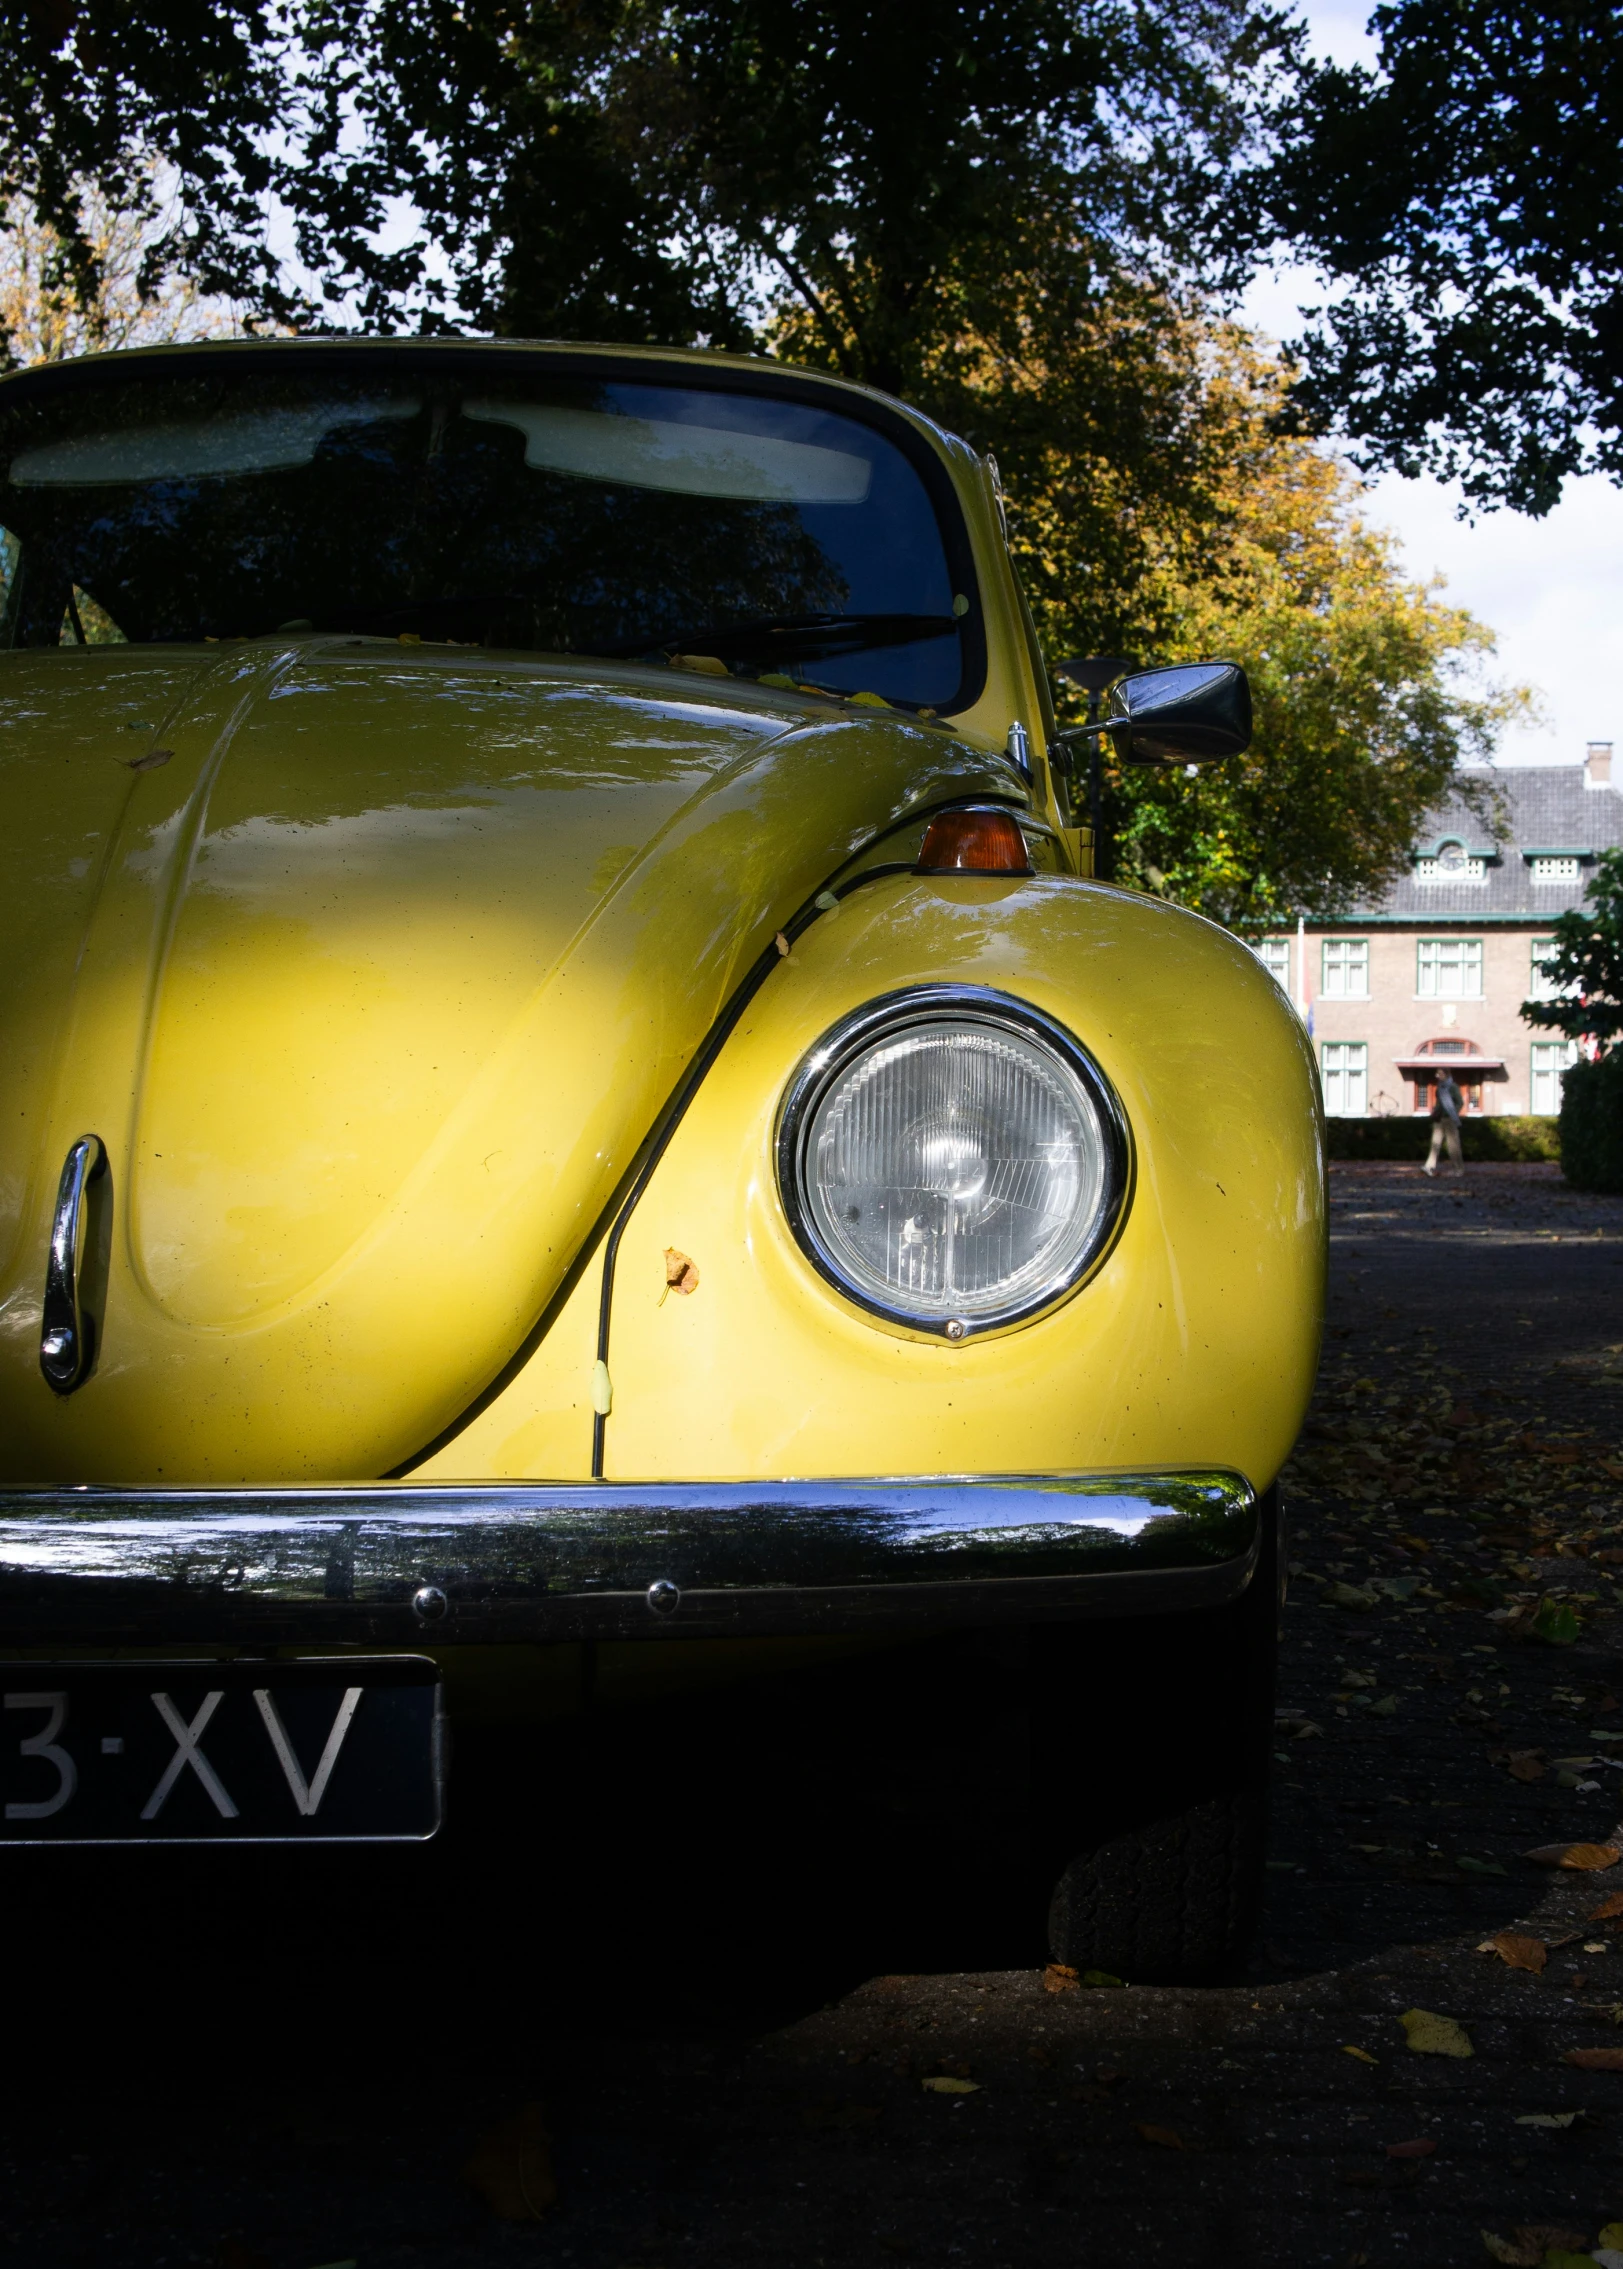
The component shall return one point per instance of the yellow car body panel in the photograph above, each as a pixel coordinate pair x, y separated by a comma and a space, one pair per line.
390, 964
1194, 1343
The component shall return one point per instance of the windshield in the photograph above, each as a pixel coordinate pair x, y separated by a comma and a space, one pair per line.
497, 500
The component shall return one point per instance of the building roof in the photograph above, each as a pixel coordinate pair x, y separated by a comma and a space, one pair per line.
1544, 810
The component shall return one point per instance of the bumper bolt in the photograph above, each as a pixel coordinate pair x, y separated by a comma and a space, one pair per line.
664, 1597
429, 1604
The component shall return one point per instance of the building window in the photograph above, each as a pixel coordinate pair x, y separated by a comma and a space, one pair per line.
1552, 1059
1449, 969
1542, 986
1346, 1078
1556, 868
1275, 956
1453, 863
1344, 974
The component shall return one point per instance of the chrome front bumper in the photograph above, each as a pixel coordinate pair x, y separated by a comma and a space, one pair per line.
399, 1563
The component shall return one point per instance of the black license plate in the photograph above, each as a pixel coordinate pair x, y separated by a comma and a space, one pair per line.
347, 1750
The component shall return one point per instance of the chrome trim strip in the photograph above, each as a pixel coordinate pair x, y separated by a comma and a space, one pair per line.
66, 1335
399, 1563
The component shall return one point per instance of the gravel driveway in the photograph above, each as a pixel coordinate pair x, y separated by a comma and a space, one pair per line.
257, 2068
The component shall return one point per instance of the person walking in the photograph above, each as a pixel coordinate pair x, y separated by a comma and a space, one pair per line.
1445, 1124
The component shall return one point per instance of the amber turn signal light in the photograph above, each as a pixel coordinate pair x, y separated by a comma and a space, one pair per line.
987, 841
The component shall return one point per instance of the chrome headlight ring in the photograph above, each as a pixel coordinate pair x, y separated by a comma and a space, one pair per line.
967, 1191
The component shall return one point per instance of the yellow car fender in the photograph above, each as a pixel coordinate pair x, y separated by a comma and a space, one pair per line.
1194, 1343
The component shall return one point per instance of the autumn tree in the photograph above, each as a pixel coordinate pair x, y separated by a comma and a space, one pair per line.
52, 305
1465, 195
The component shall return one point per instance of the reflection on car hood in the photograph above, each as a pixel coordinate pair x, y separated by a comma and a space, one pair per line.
372, 967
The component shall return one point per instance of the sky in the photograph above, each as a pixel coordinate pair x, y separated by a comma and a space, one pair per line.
1551, 589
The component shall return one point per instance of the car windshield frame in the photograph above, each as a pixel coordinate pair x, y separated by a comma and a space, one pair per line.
391, 363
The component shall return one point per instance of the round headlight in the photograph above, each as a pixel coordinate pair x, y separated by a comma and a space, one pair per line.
952, 1159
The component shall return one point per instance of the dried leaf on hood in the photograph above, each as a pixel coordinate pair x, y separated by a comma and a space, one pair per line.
681, 1274
1060, 1977
511, 2167
1517, 1950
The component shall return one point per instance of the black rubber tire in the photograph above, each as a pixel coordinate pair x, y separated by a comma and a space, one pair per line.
1163, 1730
1173, 1904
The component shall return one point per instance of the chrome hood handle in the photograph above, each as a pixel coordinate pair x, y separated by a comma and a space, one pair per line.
66, 1337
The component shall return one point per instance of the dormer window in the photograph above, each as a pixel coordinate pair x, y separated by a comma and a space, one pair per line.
1451, 863
1555, 866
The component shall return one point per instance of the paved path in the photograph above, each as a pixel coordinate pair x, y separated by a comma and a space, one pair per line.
260, 2071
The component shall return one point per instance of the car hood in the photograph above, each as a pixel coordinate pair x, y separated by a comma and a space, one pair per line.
372, 967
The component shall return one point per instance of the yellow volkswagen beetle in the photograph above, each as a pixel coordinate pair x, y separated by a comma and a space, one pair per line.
568, 1089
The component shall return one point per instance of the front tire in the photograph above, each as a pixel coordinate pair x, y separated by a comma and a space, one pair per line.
1155, 1735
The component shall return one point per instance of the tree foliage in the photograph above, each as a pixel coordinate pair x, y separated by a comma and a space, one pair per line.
1369, 691
667, 168
1469, 196
91, 91
51, 309
1587, 962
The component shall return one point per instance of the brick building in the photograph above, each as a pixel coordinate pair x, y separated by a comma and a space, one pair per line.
1441, 967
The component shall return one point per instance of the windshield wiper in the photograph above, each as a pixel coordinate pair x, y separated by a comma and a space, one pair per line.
791, 638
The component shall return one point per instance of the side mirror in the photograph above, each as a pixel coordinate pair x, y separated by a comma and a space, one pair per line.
1187, 713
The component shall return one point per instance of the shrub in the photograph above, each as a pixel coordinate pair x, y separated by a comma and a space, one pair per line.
1484, 1141
1592, 1124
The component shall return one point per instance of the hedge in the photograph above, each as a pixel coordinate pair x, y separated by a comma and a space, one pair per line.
1592, 1124
1483, 1140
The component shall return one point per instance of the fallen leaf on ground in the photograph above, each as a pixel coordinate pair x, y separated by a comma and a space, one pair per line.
1607, 1908
1525, 1764
1099, 1977
1059, 1977
511, 2167
1362, 2054
943, 2084
1350, 1596
1479, 1866
1167, 2137
1429, 2034
1421, 2148
1545, 2118
1516, 1950
1576, 1855
1596, 2059
1557, 1626
1512, 2252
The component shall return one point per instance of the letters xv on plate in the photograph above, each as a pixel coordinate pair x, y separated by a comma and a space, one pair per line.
346, 1750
